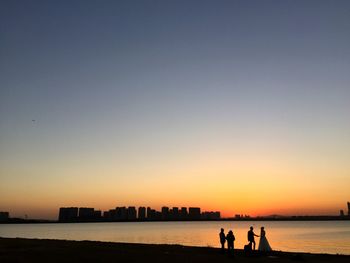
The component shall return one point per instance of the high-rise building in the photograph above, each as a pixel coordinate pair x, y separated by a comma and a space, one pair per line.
4, 216
148, 212
194, 213
165, 213
111, 214
183, 213
131, 213
348, 208
175, 213
68, 214
86, 213
151, 214
158, 216
121, 213
107, 215
97, 214
142, 213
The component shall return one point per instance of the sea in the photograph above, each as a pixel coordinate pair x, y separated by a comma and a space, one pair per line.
331, 237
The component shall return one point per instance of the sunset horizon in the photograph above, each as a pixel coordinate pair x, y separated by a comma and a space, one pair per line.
175, 131
237, 106
44, 213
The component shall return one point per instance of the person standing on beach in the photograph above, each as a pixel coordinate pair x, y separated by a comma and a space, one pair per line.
222, 239
251, 236
263, 243
230, 243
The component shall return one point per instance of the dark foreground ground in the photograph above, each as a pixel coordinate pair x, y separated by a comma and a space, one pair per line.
37, 250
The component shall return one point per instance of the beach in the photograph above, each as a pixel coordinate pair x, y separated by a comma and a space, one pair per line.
44, 250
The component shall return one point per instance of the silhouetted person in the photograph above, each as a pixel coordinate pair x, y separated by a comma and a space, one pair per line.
222, 240
263, 243
230, 243
251, 236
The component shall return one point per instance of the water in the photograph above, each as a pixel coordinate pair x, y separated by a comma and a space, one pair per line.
311, 236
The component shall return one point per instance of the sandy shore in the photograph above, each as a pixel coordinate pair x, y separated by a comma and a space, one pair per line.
39, 250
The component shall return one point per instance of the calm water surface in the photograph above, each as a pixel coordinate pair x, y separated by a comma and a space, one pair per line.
315, 236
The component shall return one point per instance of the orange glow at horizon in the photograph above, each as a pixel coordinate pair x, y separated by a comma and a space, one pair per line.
256, 182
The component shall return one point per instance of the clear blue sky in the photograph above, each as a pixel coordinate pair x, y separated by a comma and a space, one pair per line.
170, 93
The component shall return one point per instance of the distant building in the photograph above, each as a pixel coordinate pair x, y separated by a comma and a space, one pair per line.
121, 213
348, 208
68, 214
210, 215
4, 216
111, 214
142, 213
165, 213
158, 216
86, 213
97, 214
131, 213
151, 214
107, 215
341, 213
183, 213
174, 213
194, 213
148, 212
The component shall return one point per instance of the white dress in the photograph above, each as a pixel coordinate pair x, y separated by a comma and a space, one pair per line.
263, 243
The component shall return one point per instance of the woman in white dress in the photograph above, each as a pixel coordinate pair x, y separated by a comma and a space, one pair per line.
263, 243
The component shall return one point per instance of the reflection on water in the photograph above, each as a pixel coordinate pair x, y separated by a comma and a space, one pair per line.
316, 236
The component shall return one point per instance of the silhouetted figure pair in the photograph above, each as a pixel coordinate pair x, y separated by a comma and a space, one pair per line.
230, 238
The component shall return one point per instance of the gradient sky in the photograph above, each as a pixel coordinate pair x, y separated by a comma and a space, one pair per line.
237, 106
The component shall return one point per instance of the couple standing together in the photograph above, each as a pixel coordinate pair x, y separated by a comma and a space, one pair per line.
230, 238
263, 243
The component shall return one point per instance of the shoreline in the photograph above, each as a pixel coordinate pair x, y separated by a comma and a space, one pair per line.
53, 250
286, 219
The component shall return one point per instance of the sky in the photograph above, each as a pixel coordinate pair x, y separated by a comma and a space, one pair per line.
236, 106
